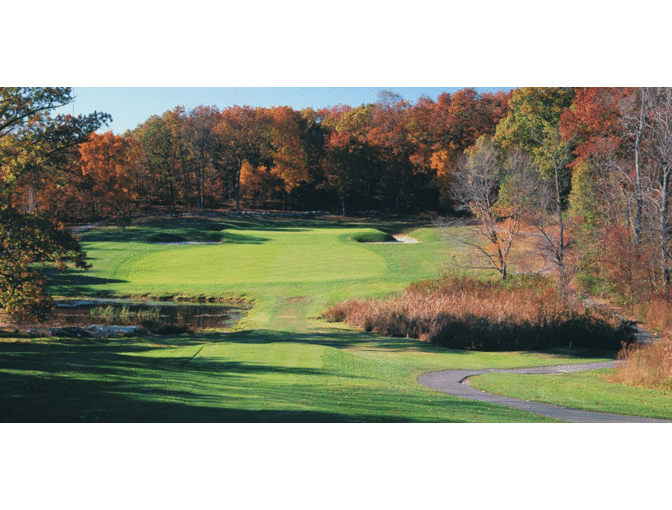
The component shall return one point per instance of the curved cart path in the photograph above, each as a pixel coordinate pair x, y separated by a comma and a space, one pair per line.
456, 383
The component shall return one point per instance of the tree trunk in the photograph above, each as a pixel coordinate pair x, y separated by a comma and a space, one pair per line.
664, 228
238, 187
172, 195
639, 200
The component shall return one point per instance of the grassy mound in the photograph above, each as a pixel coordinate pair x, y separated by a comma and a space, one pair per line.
167, 237
371, 235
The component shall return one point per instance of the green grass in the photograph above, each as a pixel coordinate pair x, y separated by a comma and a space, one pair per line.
591, 391
281, 363
267, 261
252, 376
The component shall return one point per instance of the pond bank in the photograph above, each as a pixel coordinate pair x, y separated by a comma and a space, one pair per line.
127, 317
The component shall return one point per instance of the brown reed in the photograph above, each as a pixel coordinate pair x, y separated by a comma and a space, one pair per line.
462, 312
649, 365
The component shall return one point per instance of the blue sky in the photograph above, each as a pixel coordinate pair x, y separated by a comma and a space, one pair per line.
130, 106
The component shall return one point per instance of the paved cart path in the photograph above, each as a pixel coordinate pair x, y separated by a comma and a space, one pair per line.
456, 382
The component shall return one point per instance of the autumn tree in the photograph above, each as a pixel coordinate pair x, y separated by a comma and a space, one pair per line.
533, 124
600, 179
476, 183
290, 163
441, 131
244, 133
106, 164
27, 242
205, 150
657, 185
258, 185
633, 110
160, 153
345, 166
624, 149
388, 134
33, 143
311, 194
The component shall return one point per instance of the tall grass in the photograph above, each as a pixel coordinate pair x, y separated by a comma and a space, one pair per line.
654, 312
524, 313
649, 365
123, 314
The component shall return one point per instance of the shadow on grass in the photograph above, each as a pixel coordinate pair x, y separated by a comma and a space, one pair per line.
76, 283
351, 339
207, 229
330, 338
98, 381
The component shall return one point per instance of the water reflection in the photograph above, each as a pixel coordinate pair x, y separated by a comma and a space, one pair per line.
149, 314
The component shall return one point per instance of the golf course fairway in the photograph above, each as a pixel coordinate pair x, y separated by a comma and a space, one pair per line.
281, 363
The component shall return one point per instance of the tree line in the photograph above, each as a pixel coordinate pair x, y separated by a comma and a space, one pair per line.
389, 155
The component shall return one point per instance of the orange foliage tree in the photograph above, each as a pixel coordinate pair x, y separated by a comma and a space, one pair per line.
441, 131
107, 174
289, 158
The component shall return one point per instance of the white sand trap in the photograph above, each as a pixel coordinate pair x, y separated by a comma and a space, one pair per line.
403, 238
399, 238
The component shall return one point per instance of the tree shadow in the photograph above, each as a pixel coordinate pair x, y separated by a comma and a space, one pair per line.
71, 283
53, 381
344, 339
336, 338
198, 226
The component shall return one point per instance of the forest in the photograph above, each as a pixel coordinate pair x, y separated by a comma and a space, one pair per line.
388, 156
586, 169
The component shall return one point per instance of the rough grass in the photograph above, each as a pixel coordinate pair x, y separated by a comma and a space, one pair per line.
649, 366
465, 313
654, 312
593, 391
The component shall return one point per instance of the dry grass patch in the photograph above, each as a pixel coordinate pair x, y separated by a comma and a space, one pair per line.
524, 313
649, 366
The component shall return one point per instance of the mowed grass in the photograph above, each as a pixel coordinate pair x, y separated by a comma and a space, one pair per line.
256, 377
281, 363
592, 391
268, 261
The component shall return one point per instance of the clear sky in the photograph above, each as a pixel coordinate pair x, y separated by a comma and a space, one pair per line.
130, 106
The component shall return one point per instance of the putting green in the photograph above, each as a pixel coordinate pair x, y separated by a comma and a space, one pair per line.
269, 262
307, 256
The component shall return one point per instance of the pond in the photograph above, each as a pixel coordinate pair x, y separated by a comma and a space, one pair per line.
121, 317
